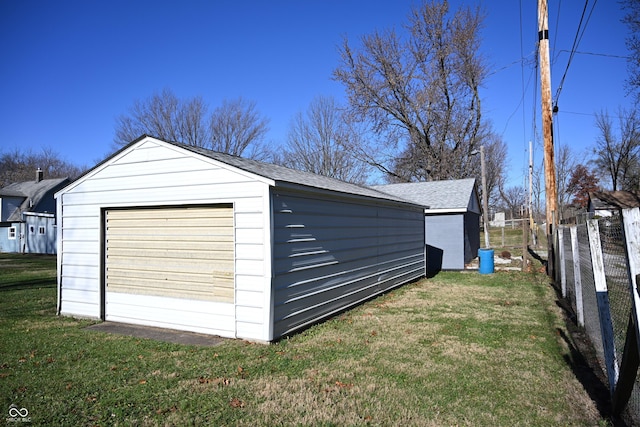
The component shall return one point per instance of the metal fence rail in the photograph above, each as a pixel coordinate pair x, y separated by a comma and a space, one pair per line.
598, 265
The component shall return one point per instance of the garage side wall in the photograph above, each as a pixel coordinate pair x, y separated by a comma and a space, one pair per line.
153, 174
332, 254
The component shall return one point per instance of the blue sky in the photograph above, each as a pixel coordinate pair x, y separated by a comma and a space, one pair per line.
69, 68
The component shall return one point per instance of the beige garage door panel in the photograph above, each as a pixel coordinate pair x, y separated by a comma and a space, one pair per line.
173, 252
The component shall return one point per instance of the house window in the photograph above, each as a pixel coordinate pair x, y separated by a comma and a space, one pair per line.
12, 233
41, 230
32, 229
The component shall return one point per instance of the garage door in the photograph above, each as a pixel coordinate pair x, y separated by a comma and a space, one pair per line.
180, 252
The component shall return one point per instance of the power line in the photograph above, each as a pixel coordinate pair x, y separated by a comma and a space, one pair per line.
576, 41
608, 55
524, 117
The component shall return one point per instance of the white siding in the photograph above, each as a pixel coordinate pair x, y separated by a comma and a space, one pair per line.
330, 254
153, 173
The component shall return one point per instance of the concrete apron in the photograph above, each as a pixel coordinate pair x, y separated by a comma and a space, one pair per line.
158, 334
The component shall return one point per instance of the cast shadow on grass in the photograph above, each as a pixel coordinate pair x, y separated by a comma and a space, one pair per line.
537, 257
28, 284
582, 360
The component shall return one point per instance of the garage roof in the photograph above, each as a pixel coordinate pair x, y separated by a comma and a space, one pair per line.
445, 196
280, 175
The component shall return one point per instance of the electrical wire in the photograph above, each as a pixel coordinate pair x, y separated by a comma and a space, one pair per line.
555, 38
524, 132
576, 41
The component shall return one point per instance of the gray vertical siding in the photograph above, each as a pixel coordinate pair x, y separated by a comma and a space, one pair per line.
329, 255
37, 243
446, 233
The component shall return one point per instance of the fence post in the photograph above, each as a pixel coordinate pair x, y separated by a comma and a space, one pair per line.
631, 228
577, 279
631, 356
631, 233
604, 308
525, 246
562, 267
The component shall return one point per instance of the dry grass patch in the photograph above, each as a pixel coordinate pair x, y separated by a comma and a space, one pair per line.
459, 349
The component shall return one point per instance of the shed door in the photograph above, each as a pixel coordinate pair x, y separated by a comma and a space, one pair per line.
179, 252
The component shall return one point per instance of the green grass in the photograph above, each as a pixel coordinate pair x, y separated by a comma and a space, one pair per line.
458, 349
510, 238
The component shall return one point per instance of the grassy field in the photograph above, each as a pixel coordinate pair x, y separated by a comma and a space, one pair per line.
458, 349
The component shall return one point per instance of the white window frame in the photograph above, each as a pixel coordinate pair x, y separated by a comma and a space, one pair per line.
13, 233
41, 230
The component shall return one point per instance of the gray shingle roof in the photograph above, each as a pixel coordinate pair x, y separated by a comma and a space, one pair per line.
447, 195
606, 200
34, 194
281, 174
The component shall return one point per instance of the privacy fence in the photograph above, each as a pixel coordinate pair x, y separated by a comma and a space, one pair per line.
598, 270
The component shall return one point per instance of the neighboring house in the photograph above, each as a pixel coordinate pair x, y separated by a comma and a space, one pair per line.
27, 215
173, 236
452, 220
607, 203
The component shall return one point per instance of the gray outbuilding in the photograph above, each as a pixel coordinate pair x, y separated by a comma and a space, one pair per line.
27, 215
452, 220
167, 235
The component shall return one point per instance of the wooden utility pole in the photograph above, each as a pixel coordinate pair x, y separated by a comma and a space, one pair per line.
485, 204
547, 132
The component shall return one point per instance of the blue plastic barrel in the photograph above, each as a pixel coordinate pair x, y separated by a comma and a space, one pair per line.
486, 261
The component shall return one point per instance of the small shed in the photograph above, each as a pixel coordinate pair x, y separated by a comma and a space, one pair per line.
27, 215
168, 235
607, 203
452, 220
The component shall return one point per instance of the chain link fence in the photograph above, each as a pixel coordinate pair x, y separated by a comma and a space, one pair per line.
594, 270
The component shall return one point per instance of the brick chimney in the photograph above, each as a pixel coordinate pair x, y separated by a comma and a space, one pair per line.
39, 175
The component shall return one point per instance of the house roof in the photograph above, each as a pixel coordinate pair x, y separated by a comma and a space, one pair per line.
449, 195
32, 193
279, 175
606, 200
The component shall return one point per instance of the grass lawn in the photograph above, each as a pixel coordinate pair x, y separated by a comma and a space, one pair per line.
458, 349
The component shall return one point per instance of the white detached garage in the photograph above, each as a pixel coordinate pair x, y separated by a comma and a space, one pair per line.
167, 235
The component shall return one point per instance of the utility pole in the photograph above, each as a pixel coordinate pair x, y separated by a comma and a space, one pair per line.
532, 226
531, 179
485, 204
547, 132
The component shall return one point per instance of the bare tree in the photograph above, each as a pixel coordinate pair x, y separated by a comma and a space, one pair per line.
165, 116
420, 95
632, 19
320, 141
514, 199
18, 166
618, 152
495, 151
565, 164
235, 125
